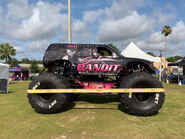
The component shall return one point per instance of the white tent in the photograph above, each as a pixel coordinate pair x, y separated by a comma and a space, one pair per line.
4, 71
134, 52
4, 77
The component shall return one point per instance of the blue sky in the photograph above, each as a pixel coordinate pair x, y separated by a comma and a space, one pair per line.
31, 25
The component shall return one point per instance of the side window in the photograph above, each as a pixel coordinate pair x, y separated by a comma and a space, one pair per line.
86, 52
102, 51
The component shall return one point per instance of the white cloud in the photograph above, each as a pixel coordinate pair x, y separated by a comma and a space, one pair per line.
145, 45
128, 27
123, 24
35, 23
92, 16
78, 26
81, 32
178, 34
18, 49
154, 42
44, 22
164, 16
19, 9
38, 46
1, 10
175, 41
122, 8
36, 49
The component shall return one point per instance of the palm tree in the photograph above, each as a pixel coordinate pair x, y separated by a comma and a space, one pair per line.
6, 51
167, 30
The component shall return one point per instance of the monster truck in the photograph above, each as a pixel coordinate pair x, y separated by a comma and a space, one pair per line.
94, 66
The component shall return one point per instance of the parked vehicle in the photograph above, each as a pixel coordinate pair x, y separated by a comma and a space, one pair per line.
94, 66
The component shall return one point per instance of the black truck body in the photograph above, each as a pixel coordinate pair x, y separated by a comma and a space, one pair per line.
92, 59
94, 66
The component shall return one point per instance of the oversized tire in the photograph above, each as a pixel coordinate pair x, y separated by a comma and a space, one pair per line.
74, 97
141, 104
49, 103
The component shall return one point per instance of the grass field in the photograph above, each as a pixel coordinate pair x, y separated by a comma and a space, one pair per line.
92, 117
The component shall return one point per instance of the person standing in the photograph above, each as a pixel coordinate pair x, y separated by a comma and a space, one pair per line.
21, 76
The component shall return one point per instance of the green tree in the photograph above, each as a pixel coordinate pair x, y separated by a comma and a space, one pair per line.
152, 54
34, 67
174, 58
166, 30
114, 47
6, 52
25, 61
28, 61
13, 62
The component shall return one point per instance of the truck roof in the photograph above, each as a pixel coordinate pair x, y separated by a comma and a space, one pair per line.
73, 45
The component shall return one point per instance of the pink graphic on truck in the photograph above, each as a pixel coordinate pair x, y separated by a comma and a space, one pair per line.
87, 66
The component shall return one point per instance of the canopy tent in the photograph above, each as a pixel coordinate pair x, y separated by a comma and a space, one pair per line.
4, 77
134, 52
180, 62
19, 73
4, 74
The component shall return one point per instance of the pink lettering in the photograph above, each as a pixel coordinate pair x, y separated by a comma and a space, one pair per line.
96, 68
104, 67
110, 68
116, 67
81, 67
89, 67
90, 59
89, 50
72, 46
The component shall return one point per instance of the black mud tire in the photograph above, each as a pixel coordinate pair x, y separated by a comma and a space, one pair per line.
49, 103
74, 97
141, 104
